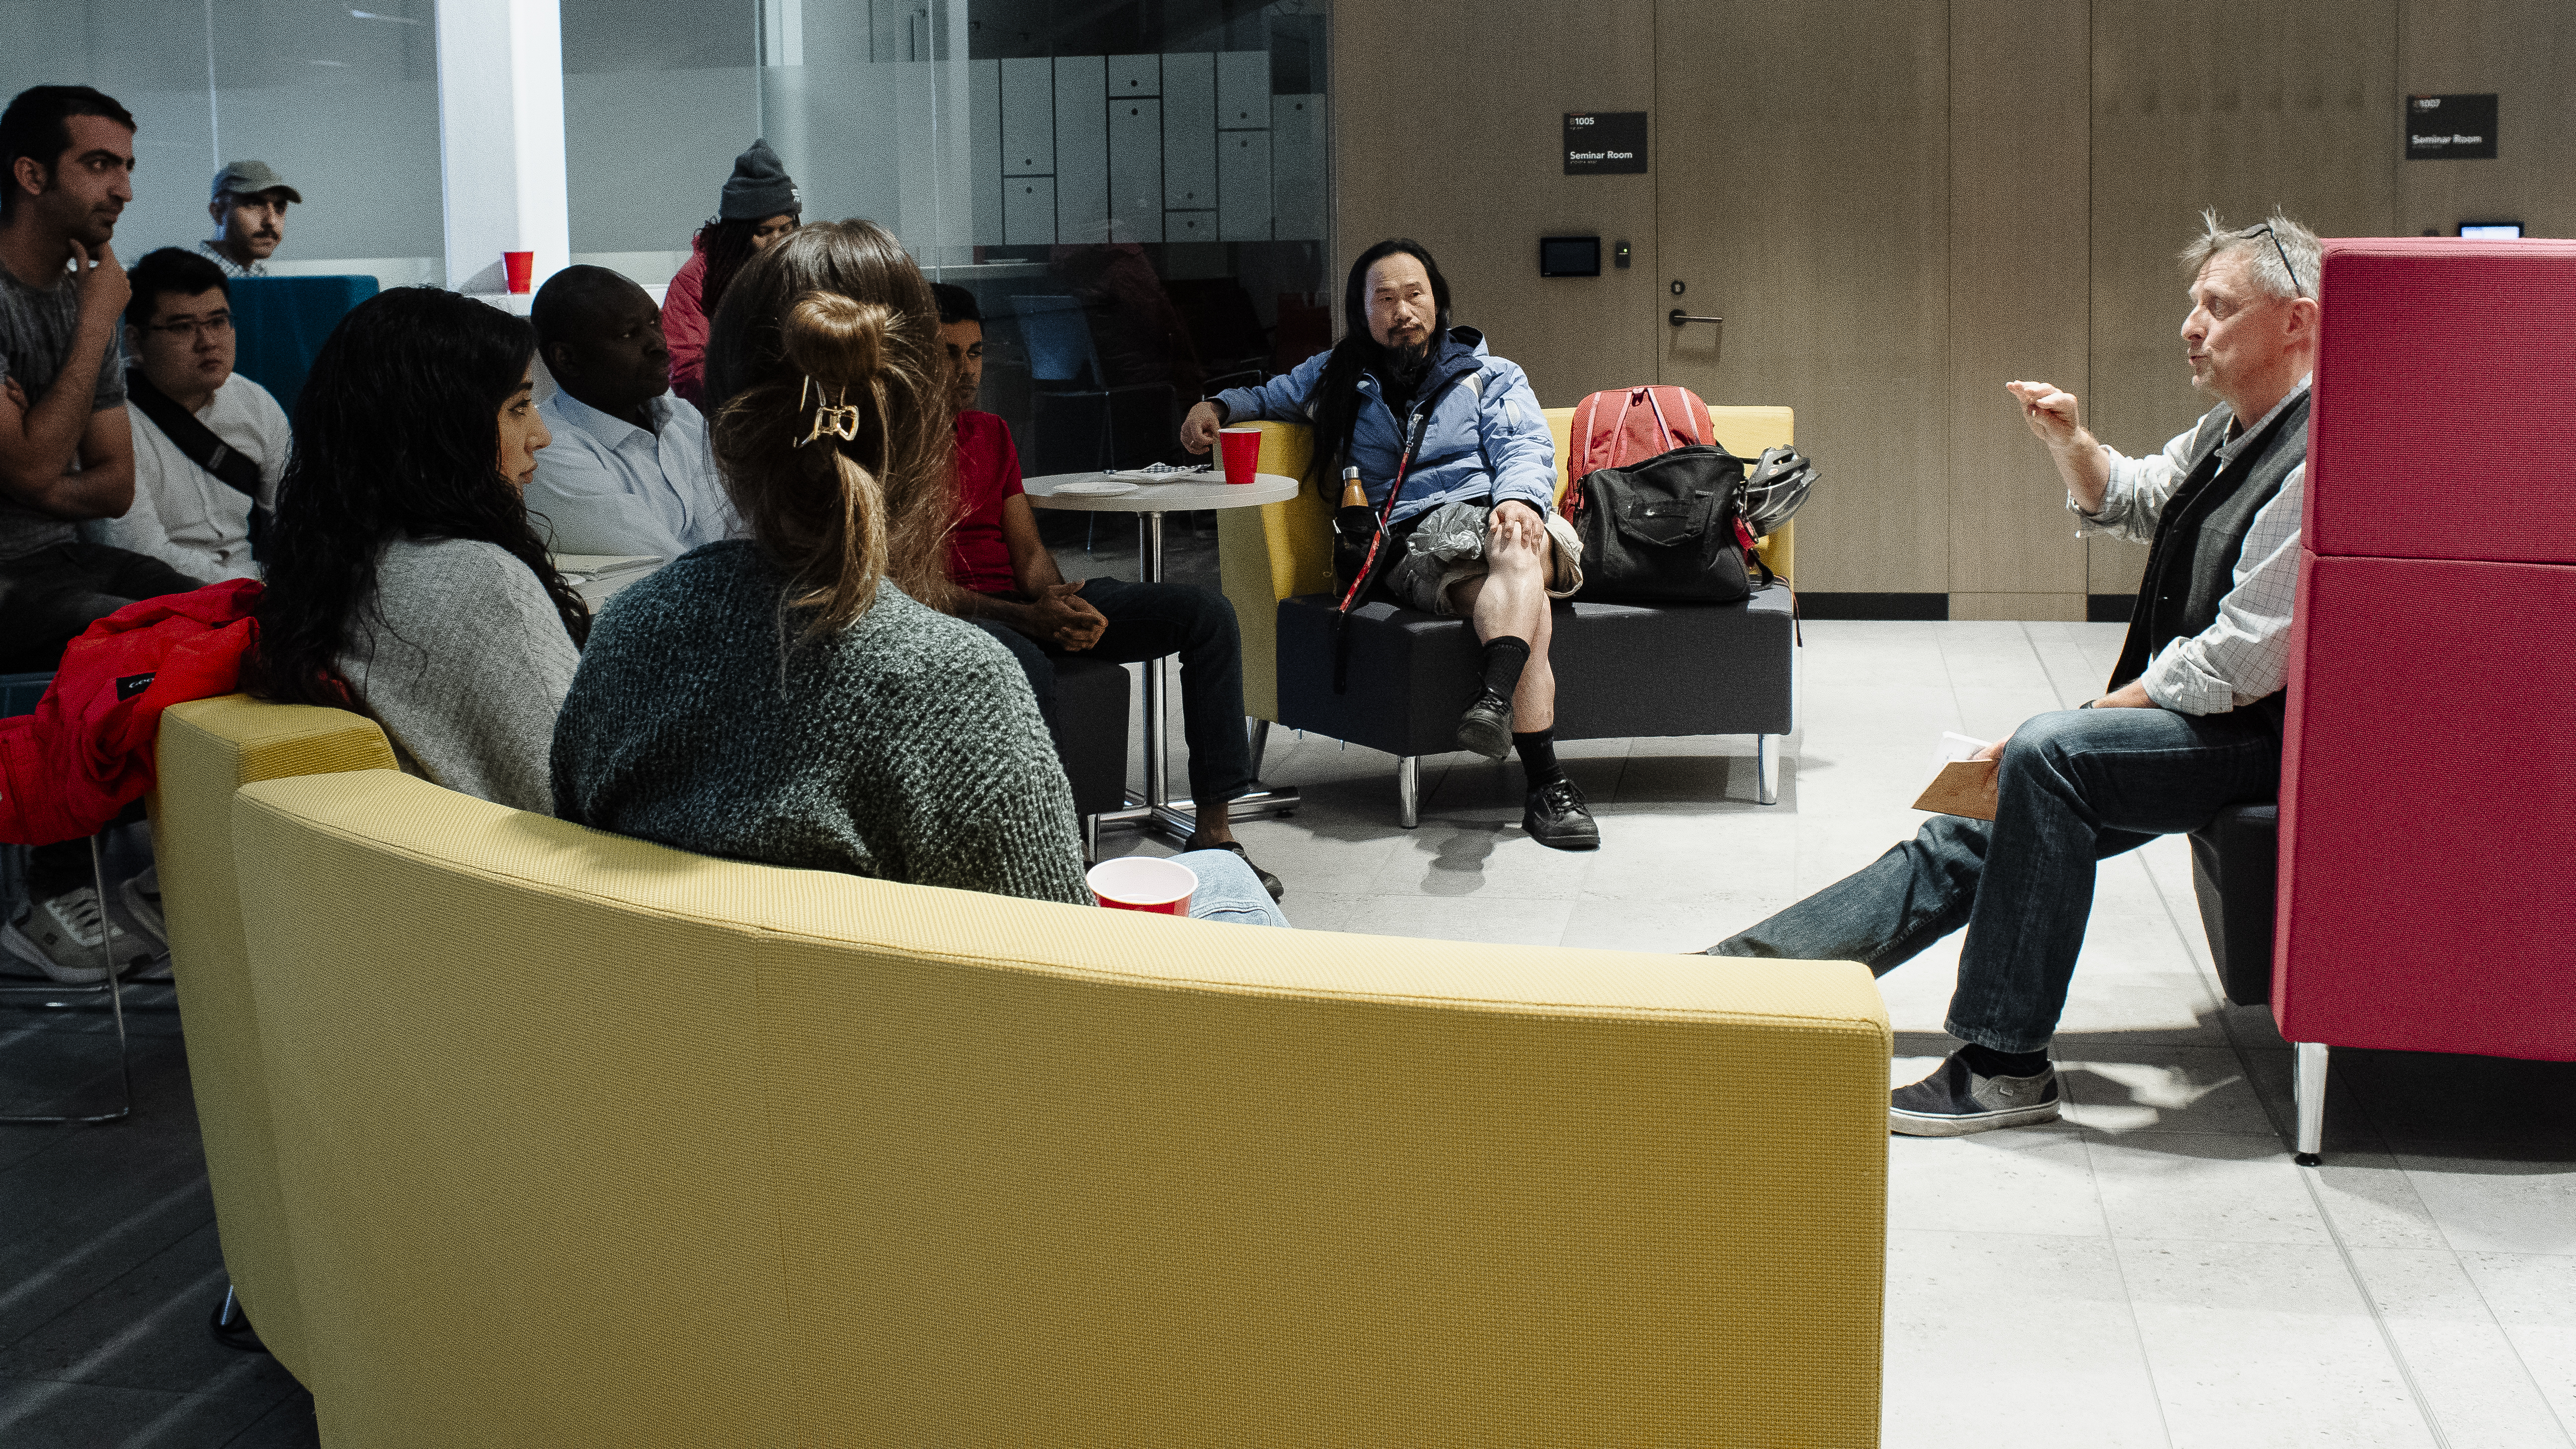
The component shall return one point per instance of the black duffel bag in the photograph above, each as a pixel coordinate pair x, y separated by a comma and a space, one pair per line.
1668, 530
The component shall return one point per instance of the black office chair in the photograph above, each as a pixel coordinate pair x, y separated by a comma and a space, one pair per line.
1064, 363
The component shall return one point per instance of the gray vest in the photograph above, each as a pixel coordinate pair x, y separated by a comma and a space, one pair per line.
2192, 564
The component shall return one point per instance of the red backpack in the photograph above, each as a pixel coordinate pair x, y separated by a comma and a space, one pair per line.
1629, 425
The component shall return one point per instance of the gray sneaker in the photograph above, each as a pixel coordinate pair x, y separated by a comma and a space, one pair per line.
61, 938
1954, 1101
141, 898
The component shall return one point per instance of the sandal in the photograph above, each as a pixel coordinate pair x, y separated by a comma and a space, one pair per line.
1269, 882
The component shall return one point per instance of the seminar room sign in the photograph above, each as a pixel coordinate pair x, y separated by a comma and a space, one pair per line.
1605, 143
2451, 128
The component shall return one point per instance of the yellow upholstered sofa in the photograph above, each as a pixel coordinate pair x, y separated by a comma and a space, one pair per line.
537, 1135
1283, 550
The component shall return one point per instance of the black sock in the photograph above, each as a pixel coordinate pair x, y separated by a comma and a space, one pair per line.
1505, 658
1538, 757
1987, 1062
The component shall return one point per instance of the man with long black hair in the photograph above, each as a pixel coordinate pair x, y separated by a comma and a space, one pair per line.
1468, 526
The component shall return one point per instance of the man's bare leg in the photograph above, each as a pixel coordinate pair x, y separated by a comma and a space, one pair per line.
1510, 603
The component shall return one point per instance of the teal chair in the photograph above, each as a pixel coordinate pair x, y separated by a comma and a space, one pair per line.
279, 323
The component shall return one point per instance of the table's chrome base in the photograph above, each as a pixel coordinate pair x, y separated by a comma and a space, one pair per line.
1170, 818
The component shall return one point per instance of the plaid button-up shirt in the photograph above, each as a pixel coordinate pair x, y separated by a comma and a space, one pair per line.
232, 268
2244, 654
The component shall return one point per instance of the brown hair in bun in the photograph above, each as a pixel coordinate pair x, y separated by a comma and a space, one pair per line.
836, 317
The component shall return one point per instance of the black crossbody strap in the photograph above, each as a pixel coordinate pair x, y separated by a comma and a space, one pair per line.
1421, 421
194, 439
1377, 543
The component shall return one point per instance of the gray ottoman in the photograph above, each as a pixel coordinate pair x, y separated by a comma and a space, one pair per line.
2235, 864
1623, 671
1091, 721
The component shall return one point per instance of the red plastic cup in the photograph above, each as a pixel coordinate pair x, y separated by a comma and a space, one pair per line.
1144, 883
520, 266
1242, 453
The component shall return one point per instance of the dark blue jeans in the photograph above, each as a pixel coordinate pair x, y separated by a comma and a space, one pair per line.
1148, 621
2075, 787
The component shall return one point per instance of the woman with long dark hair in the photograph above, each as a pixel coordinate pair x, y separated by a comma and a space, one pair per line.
760, 204
793, 697
403, 575
1467, 528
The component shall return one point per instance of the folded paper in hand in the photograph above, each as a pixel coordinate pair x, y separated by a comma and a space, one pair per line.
1960, 786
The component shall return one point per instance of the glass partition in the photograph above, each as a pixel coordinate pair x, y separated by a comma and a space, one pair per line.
1147, 213
659, 97
1135, 194
341, 100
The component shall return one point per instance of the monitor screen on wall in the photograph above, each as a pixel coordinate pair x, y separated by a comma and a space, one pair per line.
1569, 256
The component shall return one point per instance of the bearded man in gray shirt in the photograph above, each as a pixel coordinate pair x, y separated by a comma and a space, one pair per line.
66, 456
2191, 723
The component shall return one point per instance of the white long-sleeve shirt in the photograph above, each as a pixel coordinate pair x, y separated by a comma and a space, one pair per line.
2245, 653
185, 516
606, 486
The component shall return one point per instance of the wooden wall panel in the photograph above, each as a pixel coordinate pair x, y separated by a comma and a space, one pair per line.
2525, 51
1816, 222
2200, 103
2020, 143
1955, 195
1447, 130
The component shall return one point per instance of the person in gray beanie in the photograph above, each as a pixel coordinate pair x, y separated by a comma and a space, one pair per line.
759, 205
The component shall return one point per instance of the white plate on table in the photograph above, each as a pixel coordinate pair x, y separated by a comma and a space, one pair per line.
1095, 488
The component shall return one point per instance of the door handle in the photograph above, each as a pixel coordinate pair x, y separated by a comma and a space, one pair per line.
1678, 317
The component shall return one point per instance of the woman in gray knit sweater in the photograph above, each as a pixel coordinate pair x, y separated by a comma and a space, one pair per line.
791, 698
403, 576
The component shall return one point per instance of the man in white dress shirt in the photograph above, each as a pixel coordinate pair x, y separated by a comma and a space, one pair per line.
187, 410
2191, 722
630, 472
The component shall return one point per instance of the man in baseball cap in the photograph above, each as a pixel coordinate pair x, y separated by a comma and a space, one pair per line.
249, 208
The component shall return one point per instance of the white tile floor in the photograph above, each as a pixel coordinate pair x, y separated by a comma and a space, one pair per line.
2153, 1270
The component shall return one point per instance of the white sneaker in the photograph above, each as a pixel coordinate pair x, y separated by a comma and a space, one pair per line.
61, 937
141, 898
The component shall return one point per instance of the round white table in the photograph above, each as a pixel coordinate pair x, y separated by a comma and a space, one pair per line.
1149, 501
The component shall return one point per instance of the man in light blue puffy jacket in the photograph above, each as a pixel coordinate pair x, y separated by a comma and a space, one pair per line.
1469, 525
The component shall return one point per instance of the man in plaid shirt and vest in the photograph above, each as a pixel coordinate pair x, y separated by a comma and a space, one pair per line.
2192, 721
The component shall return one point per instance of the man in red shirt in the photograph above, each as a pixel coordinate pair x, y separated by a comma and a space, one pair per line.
1014, 591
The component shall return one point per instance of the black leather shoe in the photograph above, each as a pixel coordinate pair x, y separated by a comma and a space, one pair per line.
1486, 727
1556, 817
1268, 881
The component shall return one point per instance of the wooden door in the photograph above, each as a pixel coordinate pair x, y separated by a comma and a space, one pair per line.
1802, 193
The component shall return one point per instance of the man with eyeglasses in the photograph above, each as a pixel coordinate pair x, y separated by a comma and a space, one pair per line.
2191, 723
208, 444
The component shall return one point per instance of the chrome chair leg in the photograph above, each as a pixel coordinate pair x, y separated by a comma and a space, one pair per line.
114, 987
2309, 1090
232, 1328
1260, 744
1408, 791
1766, 770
